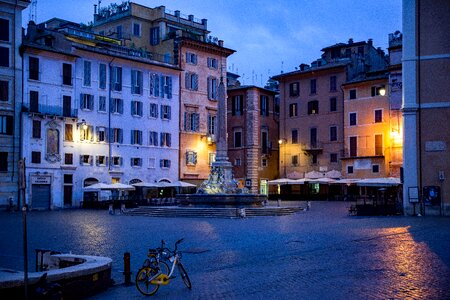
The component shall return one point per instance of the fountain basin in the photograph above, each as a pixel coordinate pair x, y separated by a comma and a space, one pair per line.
221, 200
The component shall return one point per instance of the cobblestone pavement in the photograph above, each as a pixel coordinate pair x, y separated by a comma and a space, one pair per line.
318, 254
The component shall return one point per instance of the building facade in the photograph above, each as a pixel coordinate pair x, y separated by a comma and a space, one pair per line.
10, 98
312, 107
253, 118
183, 40
104, 114
426, 106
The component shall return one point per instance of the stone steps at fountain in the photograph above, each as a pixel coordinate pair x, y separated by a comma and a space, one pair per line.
204, 212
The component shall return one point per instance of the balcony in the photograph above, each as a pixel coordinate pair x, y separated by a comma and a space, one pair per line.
315, 147
48, 110
363, 152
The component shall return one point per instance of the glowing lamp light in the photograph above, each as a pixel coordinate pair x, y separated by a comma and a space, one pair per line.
382, 91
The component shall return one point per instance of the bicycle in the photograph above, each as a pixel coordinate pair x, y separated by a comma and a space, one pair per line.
153, 273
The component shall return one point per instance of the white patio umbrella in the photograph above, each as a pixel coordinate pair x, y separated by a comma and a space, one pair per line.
380, 182
314, 175
280, 181
298, 181
146, 184
323, 180
97, 187
182, 184
335, 174
121, 187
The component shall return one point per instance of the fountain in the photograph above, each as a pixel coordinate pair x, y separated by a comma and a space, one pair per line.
221, 189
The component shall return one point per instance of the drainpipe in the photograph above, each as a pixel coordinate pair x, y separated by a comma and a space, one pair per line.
109, 114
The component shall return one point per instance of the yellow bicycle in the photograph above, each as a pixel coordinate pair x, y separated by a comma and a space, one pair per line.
155, 271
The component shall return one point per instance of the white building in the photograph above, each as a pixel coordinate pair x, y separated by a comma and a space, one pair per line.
94, 112
10, 97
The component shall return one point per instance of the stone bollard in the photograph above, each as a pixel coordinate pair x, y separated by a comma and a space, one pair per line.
111, 209
127, 268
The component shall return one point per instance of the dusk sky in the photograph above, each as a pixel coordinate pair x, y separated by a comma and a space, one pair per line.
268, 36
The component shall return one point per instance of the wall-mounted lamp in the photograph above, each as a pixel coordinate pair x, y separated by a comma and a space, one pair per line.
83, 124
208, 138
282, 141
382, 91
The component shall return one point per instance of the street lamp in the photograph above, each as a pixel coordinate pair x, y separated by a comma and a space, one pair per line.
281, 142
83, 124
382, 91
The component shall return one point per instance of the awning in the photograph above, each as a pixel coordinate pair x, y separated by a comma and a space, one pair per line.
380, 182
281, 181
146, 184
321, 180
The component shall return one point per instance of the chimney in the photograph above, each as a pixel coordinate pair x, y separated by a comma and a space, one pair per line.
370, 42
205, 22
221, 43
95, 9
191, 18
350, 41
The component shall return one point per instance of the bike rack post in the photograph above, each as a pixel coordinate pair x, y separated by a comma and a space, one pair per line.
126, 268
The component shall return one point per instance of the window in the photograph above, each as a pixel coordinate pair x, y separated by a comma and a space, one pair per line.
136, 137
67, 74
294, 160
102, 76
332, 83
36, 129
164, 163
166, 87
87, 134
352, 94
154, 85
165, 139
119, 31
153, 110
350, 169
101, 134
191, 158
212, 119
375, 168
237, 162
101, 160
314, 160
352, 121
378, 144
265, 144
68, 132
152, 163
211, 158
212, 88
191, 121
4, 57
293, 110
191, 81
153, 138
102, 104
313, 87
154, 36
333, 133
313, 107
67, 106
34, 101
33, 68
68, 158
276, 105
136, 82
116, 79
237, 105
294, 136
136, 29
333, 158
35, 157
136, 108
6, 125
136, 162
212, 63
116, 161
4, 90
3, 161
191, 58
361, 50
333, 104
264, 162
87, 73
87, 102
237, 139
376, 91
165, 112
117, 135
353, 146
313, 137
264, 105
4, 30
117, 106
294, 89
378, 115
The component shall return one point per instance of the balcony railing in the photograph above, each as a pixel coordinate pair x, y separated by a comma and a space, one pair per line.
315, 146
51, 110
363, 152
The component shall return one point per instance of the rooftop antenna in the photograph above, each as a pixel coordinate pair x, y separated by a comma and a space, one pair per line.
282, 63
33, 11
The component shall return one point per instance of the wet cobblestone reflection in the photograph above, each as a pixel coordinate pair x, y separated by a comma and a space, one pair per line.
319, 254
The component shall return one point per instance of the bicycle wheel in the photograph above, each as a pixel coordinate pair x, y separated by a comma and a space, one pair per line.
164, 268
185, 276
142, 281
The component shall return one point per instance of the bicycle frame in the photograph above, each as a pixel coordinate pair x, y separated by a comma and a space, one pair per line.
161, 278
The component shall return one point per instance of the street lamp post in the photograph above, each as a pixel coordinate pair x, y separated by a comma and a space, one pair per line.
281, 142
